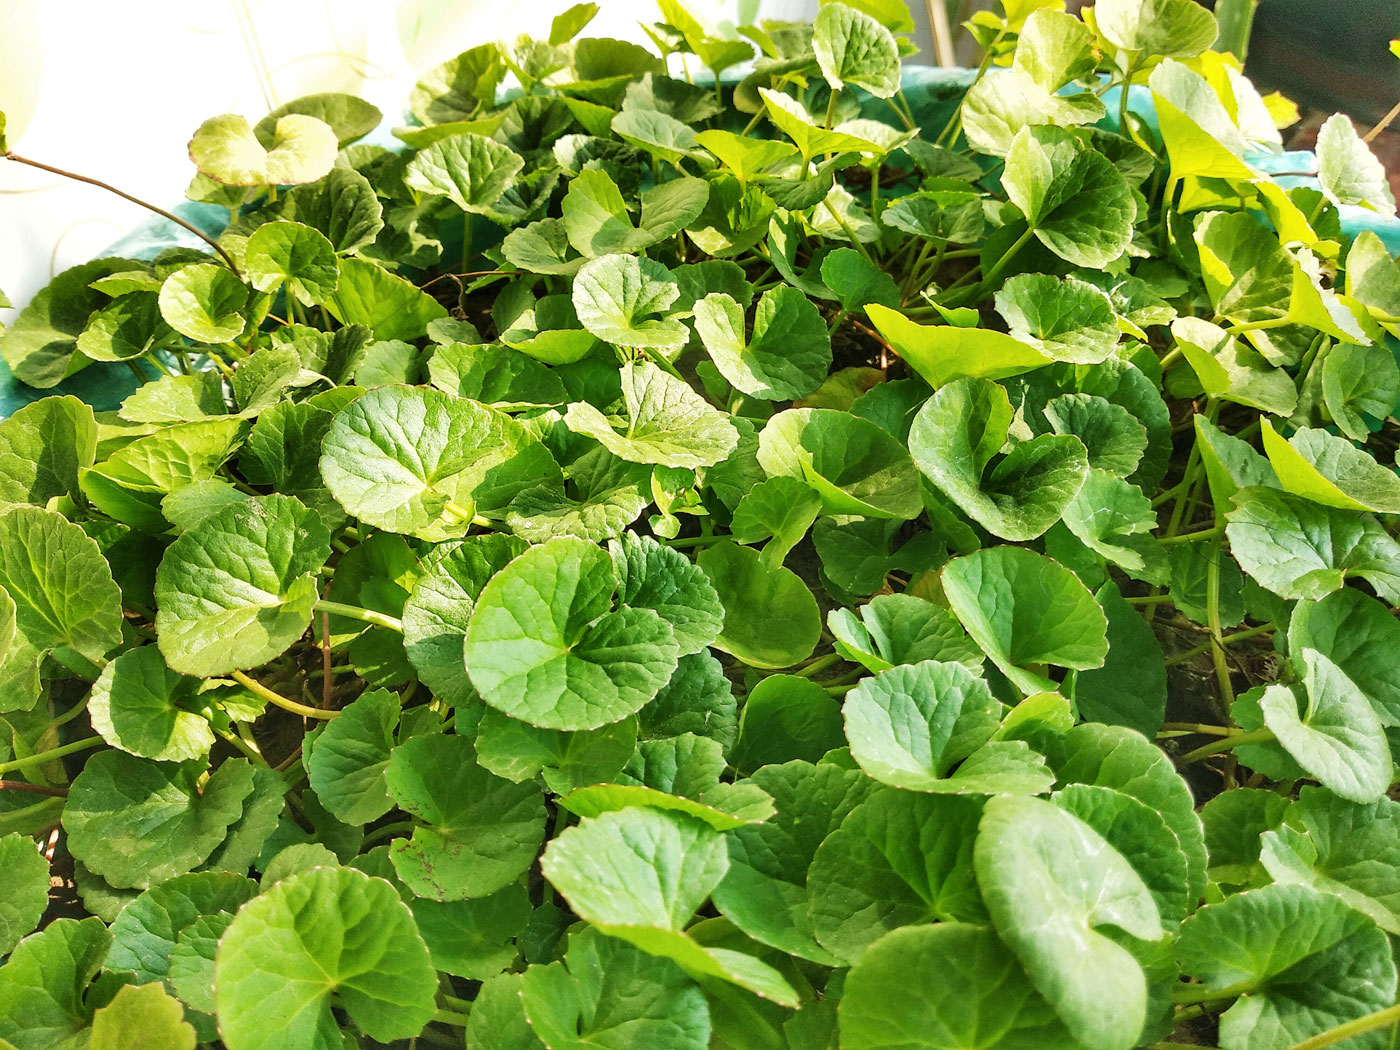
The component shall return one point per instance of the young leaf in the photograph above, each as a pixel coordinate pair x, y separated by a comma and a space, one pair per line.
39, 346
1298, 549
941, 354
543, 646
1115, 439
204, 302
390, 306
26, 893
1075, 200
606, 993
655, 577
1348, 171
1004, 595
1307, 960
615, 296
237, 589
667, 422
770, 616
899, 859
326, 938
470, 170
787, 356
1331, 471
1337, 736
1356, 633
43, 448
141, 706
445, 461
854, 466
896, 629
303, 149
298, 255
346, 764
146, 1016
1064, 318
1050, 881
137, 823
853, 48
481, 831
786, 718
970, 977
954, 439
1157, 28
908, 726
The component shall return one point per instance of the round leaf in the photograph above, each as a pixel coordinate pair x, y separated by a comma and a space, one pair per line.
771, 618
141, 706
289, 252
788, 354
302, 150
26, 892
204, 302
327, 938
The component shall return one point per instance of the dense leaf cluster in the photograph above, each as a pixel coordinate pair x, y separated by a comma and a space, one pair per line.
663, 565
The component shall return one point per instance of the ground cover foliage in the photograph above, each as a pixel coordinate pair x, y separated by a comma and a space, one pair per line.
653, 566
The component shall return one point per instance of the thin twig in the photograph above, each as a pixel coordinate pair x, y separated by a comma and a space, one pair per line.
33, 789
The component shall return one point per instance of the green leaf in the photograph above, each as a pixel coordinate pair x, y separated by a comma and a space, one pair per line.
283, 450
1356, 633
346, 765
597, 223
496, 375
786, 718
1331, 471
1115, 439
459, 87
204, 302
899, 859
1075, 200
1004, 597
298, 255
765, 892
1141, 836
788, 354
43, 983
470, 170
667, 422
1054, 48
1307, 962
1337, 737
1298, 549
181, 398
237, 589
1340, 848
698, 699
857, 281
141, 706
665, 581
1348, 171
326, 938
940, 215
853, 48
60, 584
657, 133
544, 647
1359, 381
793, 120
497, 1020
444, 461
43, 448
436, 614
954, 441
519, 751
771, 618
1115, 520
390, 306
473, 939
615, 296
639, 874
896, 629
26, 893
1130, 689
608, 994
142, 1017
1165, 28
137, 823
974, 995
1371, 275
348, 116
854, 466
303, 149
1232, 370
1050, 883
996, 108
910, 725
1066, 319
39, 346
1234, 822
482, 831
941, 354
342, 206
1231, 464
782, 508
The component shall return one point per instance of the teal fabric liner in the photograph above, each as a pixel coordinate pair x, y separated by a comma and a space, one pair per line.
932, 95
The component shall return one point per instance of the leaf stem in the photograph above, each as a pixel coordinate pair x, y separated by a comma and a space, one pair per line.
134, 200
1189, 537
1228, 639
1186, 994
20, 764
33, 789
1257, 736
1385, 123
353, 612
1361, 1025
1222, 666
277, 699
818, 665
451, 1017
1197, 727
